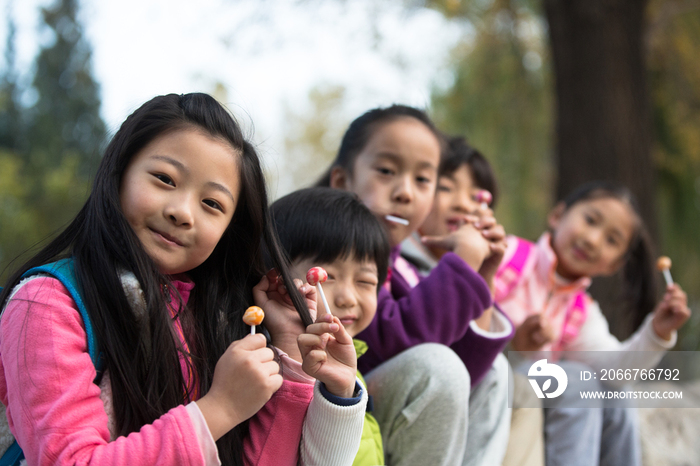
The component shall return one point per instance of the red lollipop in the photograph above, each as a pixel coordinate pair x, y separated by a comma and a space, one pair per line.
485, 198
315, 276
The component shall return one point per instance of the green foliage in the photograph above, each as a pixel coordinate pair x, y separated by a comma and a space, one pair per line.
65, 117
10, 115
25, 222
674, 39
18, 219
48, 150
501, 99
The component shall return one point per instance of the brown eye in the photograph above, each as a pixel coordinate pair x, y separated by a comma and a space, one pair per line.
164, 178
213, 204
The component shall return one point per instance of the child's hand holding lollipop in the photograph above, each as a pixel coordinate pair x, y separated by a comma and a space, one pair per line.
327, 349
281, 318
673, 311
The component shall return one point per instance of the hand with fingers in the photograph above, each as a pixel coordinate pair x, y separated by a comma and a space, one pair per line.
328, 354
671, 312
281, 317
467, 242
495, 234
245, 378
532, 334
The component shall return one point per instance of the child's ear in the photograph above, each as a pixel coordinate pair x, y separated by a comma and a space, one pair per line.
338, 178
555, 215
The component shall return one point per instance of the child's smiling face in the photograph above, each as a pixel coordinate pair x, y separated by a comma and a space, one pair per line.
591, 237
351, 290
179, 194
455, 198
395, 174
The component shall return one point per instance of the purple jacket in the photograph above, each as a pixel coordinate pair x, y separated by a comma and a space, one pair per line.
438, 309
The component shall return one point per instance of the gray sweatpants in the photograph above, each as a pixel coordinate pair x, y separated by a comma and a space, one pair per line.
607, 435
429, 416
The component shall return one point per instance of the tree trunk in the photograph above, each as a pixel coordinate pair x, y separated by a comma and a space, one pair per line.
603, 124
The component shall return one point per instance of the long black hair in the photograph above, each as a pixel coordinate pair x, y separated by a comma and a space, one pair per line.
145, 373
325, 224
363, 127
638, 271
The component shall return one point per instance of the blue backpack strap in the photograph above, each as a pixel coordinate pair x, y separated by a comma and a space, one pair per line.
64, 271
13, 455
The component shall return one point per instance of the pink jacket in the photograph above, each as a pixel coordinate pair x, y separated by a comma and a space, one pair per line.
275, 431
536, 289
54, 409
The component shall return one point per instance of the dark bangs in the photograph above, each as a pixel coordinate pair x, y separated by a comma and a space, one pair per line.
457, 153
325, 224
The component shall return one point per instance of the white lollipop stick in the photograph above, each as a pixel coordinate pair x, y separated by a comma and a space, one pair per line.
667, 276
400, 220
323, 297
316, 276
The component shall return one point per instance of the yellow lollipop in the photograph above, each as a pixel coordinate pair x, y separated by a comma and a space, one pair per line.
664, 265
253, 316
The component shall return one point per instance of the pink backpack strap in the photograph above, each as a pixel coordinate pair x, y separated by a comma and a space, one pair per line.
509, 273
404, 268
573, 321
387, 282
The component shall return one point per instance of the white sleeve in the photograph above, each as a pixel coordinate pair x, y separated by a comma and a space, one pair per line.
500, 326
643, 350
206, 441
331, 433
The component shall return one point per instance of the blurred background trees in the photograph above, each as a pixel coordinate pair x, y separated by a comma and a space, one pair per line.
553, 92
51, 133
615, 97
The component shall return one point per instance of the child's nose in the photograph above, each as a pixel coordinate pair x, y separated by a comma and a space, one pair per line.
465, 203
403, 191
344, 297
594, 237
179, 212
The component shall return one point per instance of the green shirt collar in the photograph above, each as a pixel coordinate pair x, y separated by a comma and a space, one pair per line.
360, 347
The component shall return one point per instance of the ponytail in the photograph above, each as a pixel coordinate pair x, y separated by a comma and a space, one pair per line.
639, 277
